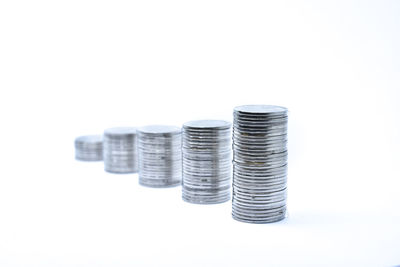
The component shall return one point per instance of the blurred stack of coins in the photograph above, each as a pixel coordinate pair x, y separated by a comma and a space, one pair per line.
160, 156
120, 150
206, 150
259, 163
89, 148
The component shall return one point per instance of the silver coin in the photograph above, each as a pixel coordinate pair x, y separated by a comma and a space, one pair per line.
259, 163
261, 217
270, 219
120, 150
206, 155
89, 148
260, 109
160, 156
201, 125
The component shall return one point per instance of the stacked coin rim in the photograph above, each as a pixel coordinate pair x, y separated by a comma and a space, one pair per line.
206, 161
120, 150
89, 148
259, 163
160, 156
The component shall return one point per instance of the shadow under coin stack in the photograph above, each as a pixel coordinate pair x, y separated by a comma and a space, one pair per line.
206, 147
259, 163
160, 156
120, 150
89, 148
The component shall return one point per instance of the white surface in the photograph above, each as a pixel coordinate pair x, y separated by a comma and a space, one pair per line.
69, 68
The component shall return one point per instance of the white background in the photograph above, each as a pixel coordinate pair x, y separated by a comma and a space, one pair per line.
69, 68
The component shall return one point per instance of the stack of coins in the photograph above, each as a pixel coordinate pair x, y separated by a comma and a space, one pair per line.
89, 148
206, 150
160, 156
259, 163
120, 150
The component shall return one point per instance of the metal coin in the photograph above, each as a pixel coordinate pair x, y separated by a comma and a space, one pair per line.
160, 156
206, 149
89, 148
259, 163
120, 150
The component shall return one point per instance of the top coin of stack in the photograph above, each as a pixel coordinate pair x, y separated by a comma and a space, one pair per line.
160, 156
120, 150
259, 163
206, 150
89, 148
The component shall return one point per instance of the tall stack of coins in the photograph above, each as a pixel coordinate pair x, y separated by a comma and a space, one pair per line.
89, 148
160, 156
206, 150
259, 163
120, 150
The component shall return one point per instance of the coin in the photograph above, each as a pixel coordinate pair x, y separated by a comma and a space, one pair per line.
206, 149
120, 150
160, 155
259, 163
89, 148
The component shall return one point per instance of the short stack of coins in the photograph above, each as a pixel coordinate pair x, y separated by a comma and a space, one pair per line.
259, 163
120, 150
89, 148
206, 150
160, 156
